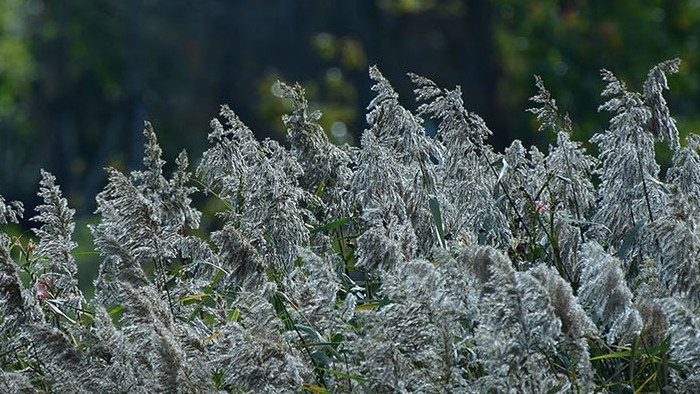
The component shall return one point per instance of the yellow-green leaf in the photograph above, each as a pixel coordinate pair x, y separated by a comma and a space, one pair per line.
367, 305
212, 336
193, 297
316, 389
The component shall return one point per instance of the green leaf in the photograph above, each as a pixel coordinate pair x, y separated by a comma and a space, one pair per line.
116, 310
368, 305
212, 336
321, 358
85, 253
320, 189
629, 238
313, 334
335, 372
437, 218
371, 304
193, 297
499, 200
581, 221
625, 353
278, 304
331, 225
316, 389
565, 179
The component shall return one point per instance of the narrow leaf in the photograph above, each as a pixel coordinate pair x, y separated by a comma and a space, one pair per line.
437, 218
331, 225
316, 389
629, 238
193, 297
212, 336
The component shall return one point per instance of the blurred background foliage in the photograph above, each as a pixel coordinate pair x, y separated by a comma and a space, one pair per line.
78, 78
